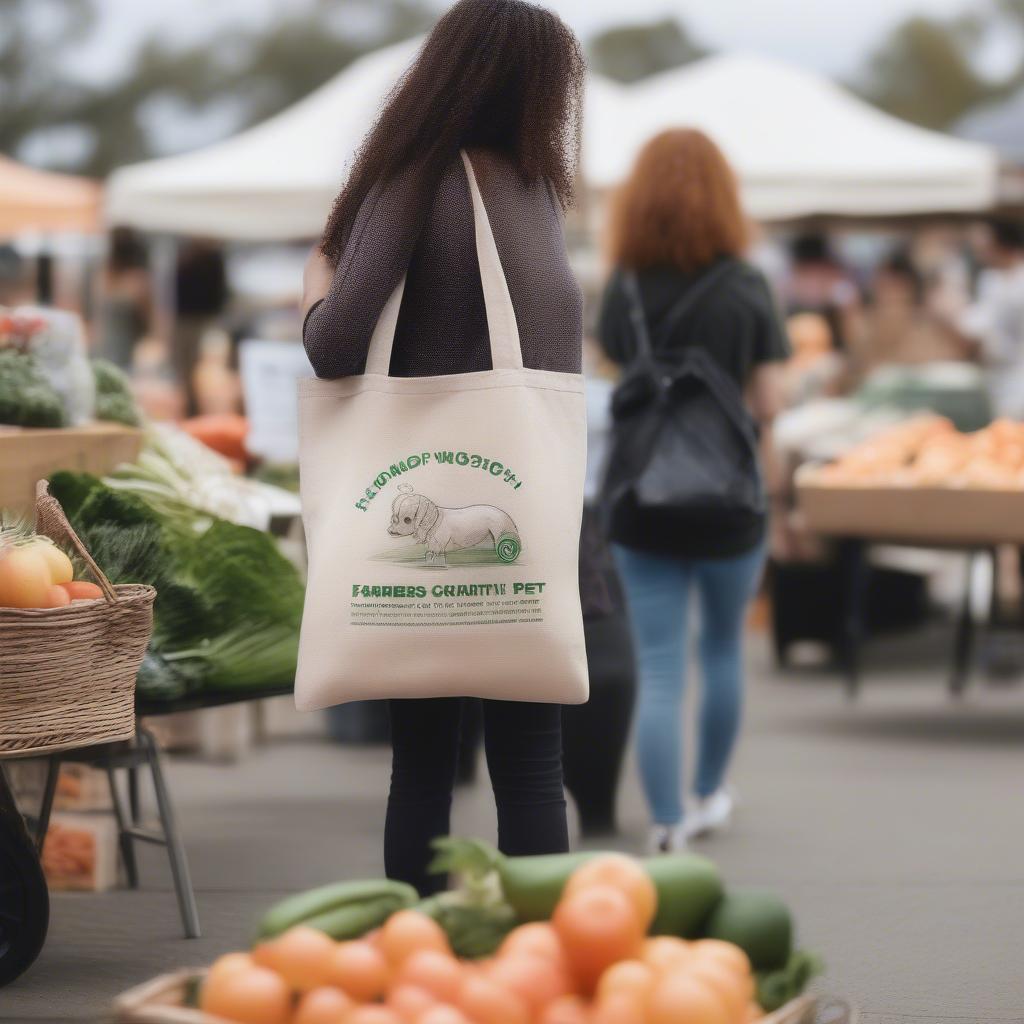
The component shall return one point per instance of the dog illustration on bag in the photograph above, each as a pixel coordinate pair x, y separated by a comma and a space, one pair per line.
442, 530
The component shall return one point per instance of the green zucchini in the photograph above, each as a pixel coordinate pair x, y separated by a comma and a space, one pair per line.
304, 906
354, 920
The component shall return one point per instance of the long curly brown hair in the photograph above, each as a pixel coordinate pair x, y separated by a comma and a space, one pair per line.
680, 206
501, 74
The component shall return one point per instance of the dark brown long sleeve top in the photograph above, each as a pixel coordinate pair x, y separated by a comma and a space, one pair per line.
442, 327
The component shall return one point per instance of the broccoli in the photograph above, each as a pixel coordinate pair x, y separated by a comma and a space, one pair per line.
114, 399
26, 398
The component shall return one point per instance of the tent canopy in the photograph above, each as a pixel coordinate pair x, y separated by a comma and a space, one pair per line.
800, 144
32, 200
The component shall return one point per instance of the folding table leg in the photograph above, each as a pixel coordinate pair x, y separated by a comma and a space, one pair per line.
124, 836
134, 802
46, 806
175, 846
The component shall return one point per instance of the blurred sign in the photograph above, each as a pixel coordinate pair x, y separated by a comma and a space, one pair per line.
270, 372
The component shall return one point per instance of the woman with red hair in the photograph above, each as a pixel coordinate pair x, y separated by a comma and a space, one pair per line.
676, 240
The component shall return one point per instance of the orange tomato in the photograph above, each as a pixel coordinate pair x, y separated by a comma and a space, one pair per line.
301, 955
82, 590
620, 1008
360, 969
678, 996
57, 597
735, 992
325, 1005
538, 938
597, 925
622, 873
752, 1013
408, 931
486, 1002
371, 1014
631, 976
439, 973
665, 953
409, 1001
229, 963
249, 995
442, 1014
727, 953
535, 981
565, 1010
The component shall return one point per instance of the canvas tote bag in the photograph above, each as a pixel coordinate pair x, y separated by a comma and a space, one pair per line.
442, 516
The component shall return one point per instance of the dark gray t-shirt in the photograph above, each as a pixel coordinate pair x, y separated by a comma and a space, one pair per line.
442, 328
736, 322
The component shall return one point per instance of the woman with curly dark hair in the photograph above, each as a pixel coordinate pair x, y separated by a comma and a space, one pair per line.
677, 237
502, 81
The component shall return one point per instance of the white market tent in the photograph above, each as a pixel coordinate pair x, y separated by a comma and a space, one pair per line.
801, 145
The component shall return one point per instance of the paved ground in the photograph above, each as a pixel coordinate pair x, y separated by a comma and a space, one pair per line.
894, 827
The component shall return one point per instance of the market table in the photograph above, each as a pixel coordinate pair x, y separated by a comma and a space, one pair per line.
972, 521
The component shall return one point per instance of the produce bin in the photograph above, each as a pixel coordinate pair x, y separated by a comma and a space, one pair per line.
28, 455
960, 517
164, 1001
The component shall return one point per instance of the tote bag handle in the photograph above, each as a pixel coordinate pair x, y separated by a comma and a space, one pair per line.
506, 353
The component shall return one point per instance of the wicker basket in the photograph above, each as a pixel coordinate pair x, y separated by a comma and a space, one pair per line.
164, 1001
67, 675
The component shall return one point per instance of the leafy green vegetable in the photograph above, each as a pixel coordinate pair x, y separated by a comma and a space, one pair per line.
245, 578
114, 399
778, 987
228, 603
181, 615
72, 490
474, 930
26, 397
244, 658
475, 915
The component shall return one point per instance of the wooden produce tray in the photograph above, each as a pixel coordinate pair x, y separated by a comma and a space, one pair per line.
161, 1001
939, 516
30, 454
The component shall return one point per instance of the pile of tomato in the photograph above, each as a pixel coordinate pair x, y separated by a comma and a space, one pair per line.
592, 963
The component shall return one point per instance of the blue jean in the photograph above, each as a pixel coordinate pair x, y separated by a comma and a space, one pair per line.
658, 591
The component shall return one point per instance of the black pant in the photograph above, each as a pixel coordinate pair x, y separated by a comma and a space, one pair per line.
523, 742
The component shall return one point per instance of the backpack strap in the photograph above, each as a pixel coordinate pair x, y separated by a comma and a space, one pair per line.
688, 303
637, 316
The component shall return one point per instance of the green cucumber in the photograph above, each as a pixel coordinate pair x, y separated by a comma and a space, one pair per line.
303, 906
688, 887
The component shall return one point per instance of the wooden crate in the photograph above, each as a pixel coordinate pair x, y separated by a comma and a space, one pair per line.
940, 516
161, 1001
28, 455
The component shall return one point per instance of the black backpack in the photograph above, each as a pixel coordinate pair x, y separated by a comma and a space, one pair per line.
683, 457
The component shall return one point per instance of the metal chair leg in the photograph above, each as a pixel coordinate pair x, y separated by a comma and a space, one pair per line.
46, 806
175, 846
124, 836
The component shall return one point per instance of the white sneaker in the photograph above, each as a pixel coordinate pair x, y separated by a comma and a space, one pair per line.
666, 839
709, 814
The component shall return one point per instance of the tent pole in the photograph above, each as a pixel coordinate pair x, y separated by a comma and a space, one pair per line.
164, 262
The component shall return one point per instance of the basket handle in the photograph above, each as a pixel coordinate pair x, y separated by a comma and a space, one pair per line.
51, 521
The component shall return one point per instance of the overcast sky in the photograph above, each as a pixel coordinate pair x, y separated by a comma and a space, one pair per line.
829, 35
